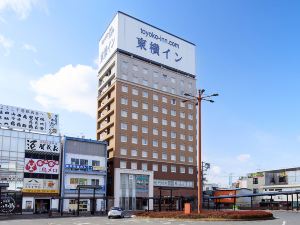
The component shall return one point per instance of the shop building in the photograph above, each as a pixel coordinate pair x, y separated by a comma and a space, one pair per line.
84, 164
143, 77
30, 157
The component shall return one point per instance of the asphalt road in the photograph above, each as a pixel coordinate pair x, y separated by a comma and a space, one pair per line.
283, 218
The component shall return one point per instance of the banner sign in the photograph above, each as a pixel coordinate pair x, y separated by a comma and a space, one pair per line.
42, 146
33, 185
41, 166
11, 177
142, 183
25, 119
85, 167
136, 37
255, 175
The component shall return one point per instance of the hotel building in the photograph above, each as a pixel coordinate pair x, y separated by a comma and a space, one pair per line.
151, 133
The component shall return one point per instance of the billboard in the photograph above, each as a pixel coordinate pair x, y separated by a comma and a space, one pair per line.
26, 119
136, 37
37, 145
41, 166
33, 185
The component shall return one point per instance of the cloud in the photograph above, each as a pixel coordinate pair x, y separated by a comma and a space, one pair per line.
243, 157
29, 47
6, 44
215, 170
73, 88
21, 8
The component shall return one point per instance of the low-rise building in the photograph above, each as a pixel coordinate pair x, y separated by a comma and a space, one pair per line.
84, 164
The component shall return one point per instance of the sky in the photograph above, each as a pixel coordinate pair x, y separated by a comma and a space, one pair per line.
247, 51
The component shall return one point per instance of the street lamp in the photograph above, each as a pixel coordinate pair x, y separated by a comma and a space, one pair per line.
198, 99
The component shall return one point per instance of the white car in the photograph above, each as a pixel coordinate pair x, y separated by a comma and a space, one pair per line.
116, 212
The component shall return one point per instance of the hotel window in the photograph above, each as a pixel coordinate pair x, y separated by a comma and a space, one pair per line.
155, 108
164, 111
135, 103
190, 149
144, 141
164, 122
145, 130
123, 126
144, 166
191, 159
173, 169
123, 151
124, 65
190, 117
155, 120
173, 146
135, 68
164, 133
181, 83
124, 101
144, 118
164, 144
134, 140
182, 115
190, 85
145, 94
124, 89
145, 71
173, 101
155, 85
182, 104
165, 76
133, 152
190, 138
173, 124
182, 136
164, 156
173, 134
190, 127
182, 125
134, 128
164, 88
155, 167
123, 113
182, 169
155, 97
144, 154
95, 182
133, 165
173, 113
123, 164
164, 168
190, 106
134, 116
135, 91
182, 158
154, 155
145, 82
182, 147
155, 143
191, 170
123, 138
145, 106
173, 80
164, 99
173, 157
155, 74
135, 79
173, 91
155, 131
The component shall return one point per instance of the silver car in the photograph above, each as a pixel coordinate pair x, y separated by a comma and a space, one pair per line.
115, 212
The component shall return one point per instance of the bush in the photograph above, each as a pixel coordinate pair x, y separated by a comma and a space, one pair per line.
235, 215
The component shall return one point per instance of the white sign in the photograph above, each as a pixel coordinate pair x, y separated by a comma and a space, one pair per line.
41, 166
40, 185
42, 146
26, 119
133, 36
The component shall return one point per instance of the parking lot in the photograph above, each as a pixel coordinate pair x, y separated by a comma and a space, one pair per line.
282, 218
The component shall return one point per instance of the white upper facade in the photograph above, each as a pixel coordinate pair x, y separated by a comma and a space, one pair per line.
141, 39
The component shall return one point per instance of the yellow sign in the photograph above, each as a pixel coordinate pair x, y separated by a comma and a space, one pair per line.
39, 191
98, 168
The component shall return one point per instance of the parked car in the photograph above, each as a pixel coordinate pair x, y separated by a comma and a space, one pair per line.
115, 212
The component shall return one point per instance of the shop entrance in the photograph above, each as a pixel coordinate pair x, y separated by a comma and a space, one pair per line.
42, 205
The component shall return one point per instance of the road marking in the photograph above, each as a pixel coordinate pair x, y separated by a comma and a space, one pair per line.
283, 223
